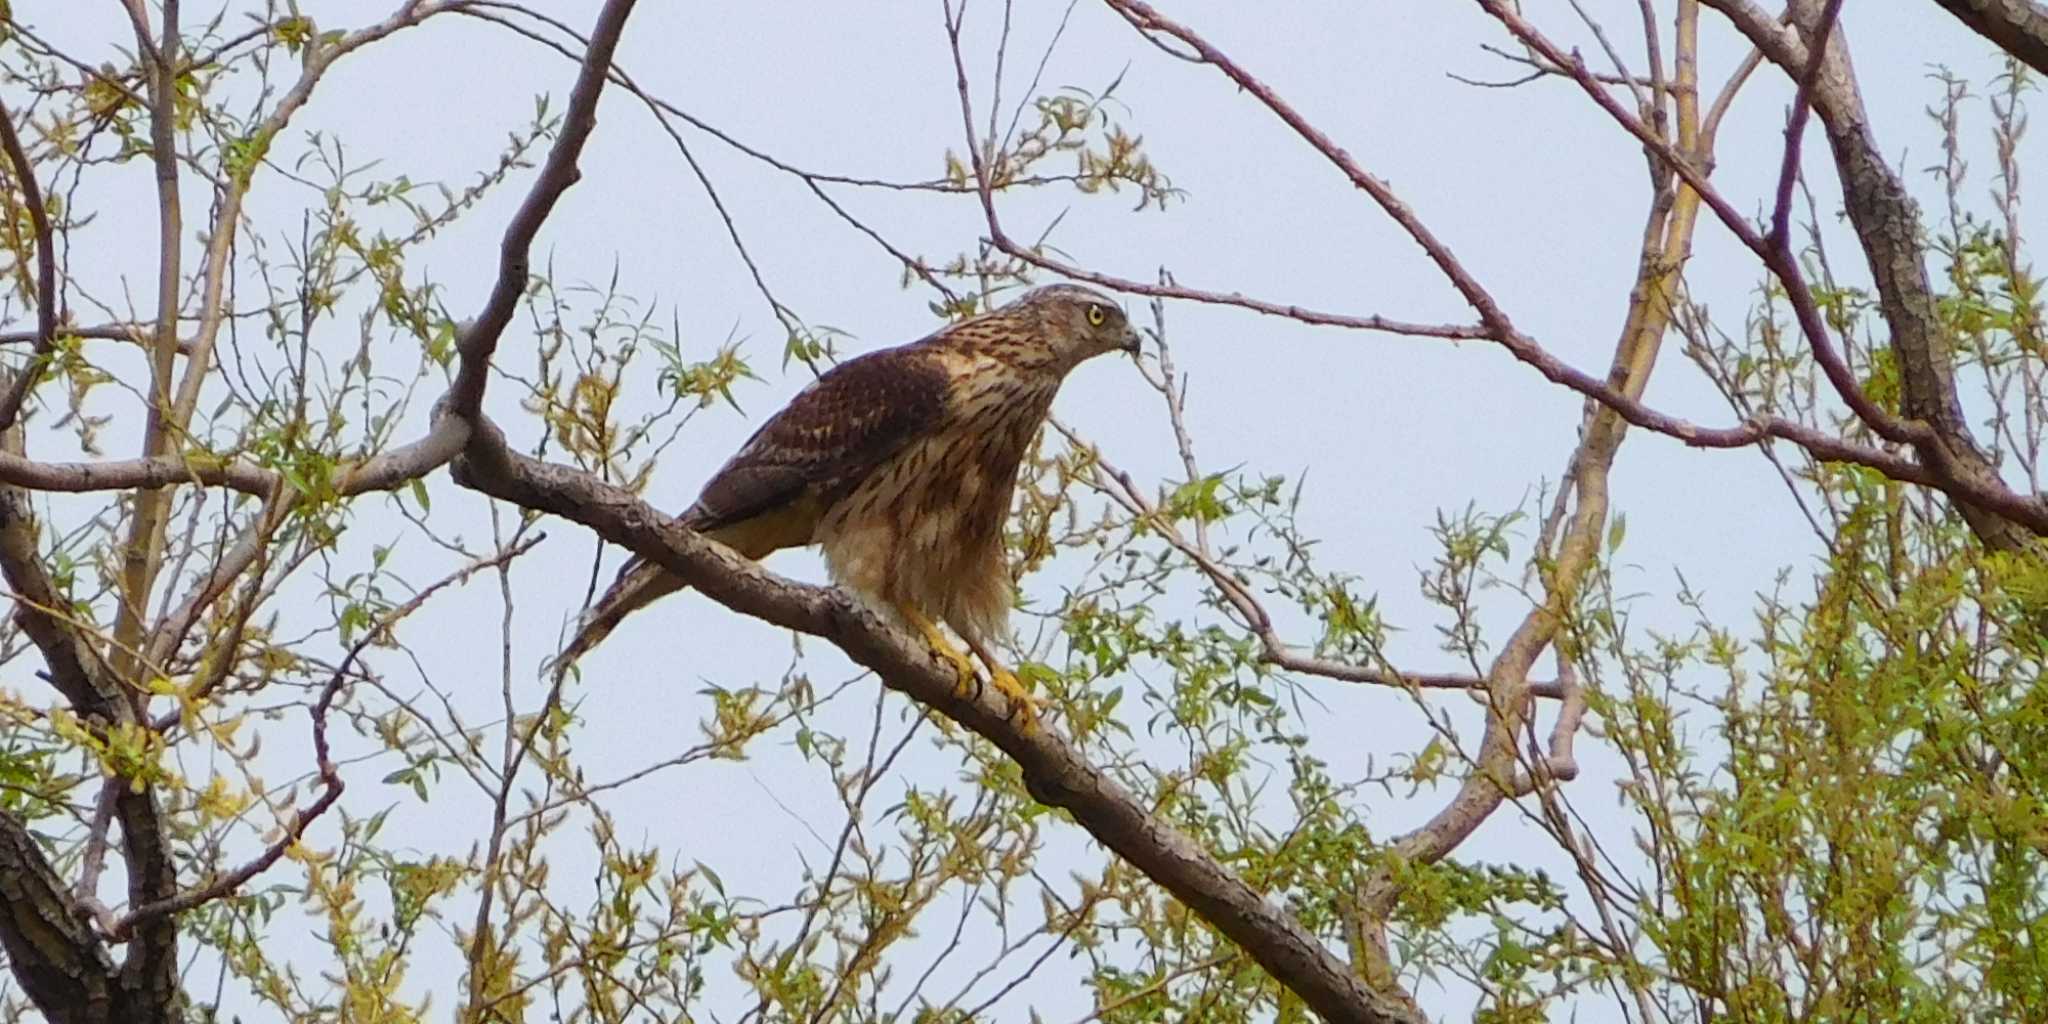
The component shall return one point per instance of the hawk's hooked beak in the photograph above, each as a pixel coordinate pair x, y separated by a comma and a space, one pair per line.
1130, 344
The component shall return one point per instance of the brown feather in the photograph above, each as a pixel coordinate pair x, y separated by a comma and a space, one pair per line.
770, 494
900, 464
830, 436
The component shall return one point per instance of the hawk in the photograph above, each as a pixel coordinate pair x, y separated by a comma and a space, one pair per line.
900, 464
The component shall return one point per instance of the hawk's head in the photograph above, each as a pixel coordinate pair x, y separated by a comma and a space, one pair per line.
1078, 323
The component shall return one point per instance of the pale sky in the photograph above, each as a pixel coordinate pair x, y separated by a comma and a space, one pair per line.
1539, 192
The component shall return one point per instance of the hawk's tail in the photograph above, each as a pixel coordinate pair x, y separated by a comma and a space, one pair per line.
640, 584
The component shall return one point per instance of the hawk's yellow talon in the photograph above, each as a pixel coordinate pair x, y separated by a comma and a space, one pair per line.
966, 685
1022, 703
1023, 706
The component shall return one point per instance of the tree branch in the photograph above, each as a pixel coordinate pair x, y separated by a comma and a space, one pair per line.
74, 666
46, 272
130, 474
1054, 773
136, 334
1795, 131
2019, 27
1887, 224
1822, 445
61, 965
331, 784
142, 551
480, 338
147, 981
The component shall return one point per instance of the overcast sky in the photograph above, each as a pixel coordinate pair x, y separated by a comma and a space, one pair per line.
1541, 195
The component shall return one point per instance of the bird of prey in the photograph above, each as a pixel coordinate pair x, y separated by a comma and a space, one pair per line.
900, 464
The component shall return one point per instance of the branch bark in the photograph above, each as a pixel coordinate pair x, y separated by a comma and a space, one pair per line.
480, 338
61, 965
2019, 27
147, 977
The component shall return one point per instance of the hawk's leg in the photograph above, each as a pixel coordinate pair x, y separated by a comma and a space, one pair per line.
1008, 684
962, 665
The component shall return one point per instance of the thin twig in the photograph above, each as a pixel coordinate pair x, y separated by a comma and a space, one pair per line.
479, 339
1795, 129
46, 273
330, 777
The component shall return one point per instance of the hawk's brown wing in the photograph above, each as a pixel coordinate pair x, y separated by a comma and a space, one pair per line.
829, 437
769, 495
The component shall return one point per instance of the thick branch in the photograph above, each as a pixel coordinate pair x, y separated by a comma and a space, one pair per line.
129, 474
74, 666
2019, 27
61, 965
1055, 774
382, 472
149, 970
148, 976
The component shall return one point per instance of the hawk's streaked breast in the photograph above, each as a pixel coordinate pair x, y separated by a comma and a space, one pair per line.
900, 464
926, 527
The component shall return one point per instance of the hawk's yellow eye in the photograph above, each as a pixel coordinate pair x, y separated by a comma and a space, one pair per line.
1096, 316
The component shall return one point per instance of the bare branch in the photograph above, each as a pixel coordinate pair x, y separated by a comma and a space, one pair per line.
480, 338
94, 860
46, 272
1710, 126
138, 334
62, 966
1788, 170
129, 474
2019, 27
1887, 223
1824, 446
1948, 460
142, 551
1143, 17
1557, 762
